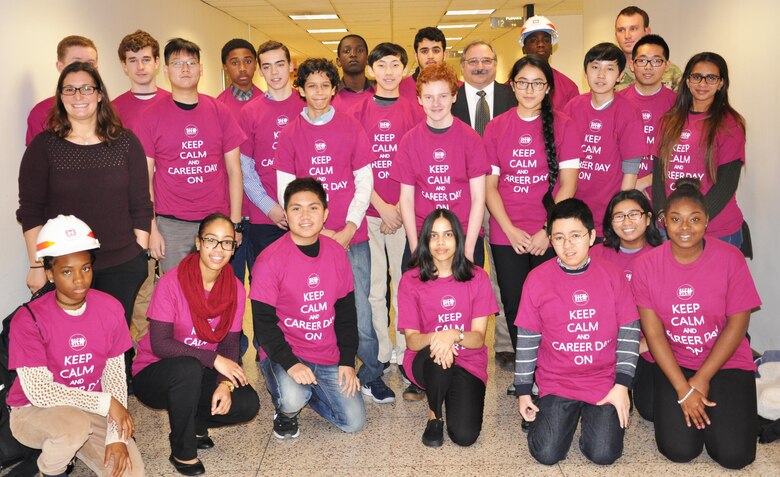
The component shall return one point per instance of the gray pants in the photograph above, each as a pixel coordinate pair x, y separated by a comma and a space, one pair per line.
179, 236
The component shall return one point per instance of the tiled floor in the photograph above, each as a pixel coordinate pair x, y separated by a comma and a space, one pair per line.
390, 445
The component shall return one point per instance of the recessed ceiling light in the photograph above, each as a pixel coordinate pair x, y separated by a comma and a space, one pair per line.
327, 16
328, 30
470, 12
454, 38
449, 47
330, 42
444, 27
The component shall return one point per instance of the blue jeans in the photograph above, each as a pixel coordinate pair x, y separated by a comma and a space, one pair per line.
550, 435
240, 258
368, 347
734, 239
289, 397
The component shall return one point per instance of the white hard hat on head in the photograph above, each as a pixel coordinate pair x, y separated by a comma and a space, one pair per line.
62, 235
538, 23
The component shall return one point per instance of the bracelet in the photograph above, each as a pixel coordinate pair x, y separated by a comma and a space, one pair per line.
687, 395
36, 266
231, 387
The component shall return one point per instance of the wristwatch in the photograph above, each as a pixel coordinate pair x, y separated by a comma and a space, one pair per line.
461, 337
239, 227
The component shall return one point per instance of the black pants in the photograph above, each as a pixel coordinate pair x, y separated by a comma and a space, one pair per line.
461, 392
184, 388
479, 254
122, 282
511, 271
643, 388
730, 440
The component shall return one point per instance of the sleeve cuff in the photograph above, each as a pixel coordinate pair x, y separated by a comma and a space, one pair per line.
104, 404
624, 379
523, 389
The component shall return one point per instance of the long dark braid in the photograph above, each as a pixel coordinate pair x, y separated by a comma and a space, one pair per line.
550, 150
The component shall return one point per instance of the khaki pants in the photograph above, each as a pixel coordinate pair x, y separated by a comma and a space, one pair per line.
139, 324
394, 244
62, 432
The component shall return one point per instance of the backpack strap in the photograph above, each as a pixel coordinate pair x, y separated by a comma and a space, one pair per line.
26, 305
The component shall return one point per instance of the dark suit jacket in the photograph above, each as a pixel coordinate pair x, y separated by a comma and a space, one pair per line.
503, 100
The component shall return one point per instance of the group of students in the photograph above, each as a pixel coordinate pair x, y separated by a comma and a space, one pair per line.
319, 191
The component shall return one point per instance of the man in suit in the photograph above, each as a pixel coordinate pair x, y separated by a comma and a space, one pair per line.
480, 98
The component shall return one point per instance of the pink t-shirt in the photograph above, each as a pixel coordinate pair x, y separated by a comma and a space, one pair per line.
607, 138
74, 348
169, 305
408, 90
188, 148
652, 108
515, 149
694, 301
345, 99
37, 120
304, 291
439, 166
442, 304
235, 106
385, 126
131, 109
688, 161
330, 153
578, 319
565, 90
263, 122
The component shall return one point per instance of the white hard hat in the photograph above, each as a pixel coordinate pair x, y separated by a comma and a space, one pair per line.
538, 23
62, 235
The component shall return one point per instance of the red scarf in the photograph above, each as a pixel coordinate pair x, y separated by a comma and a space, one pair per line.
221, 300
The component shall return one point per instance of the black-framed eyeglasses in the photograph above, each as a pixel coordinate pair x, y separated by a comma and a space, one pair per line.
655, 62
85, 90
211, 243
535, 85
710, 79
633, 216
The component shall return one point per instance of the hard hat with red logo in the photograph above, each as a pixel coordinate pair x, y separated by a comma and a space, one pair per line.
538, 23
62, 235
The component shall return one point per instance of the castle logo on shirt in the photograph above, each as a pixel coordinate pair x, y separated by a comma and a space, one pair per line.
439, 155
384, 125
320, 145
525, 140
282, 121
313, 281
685, 135
595, 125
448, 302
190, 130
685, 292
580, 297
646, 115
77, 342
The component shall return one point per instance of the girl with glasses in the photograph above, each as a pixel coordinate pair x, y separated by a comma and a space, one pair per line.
188, 362
702, 136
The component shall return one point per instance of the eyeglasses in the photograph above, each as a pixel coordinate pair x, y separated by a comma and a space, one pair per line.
477, 61
179, 64
656, 62
535, 85
633, 215
710, 79
211, 243
574, 238
85, 90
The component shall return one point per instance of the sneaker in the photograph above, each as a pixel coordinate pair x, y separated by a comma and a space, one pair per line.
510, 391
285, 427
378, 391
434, 433
413, 393
393, 357
386, 368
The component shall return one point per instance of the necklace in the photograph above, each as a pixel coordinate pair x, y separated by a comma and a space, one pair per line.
64, 303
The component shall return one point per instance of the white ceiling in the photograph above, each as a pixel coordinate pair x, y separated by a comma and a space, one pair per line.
377, 21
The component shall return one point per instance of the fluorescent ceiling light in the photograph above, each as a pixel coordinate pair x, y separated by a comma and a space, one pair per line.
470, 12
449, 47
328, 30
454, 38
330, 42
444, 27
327, 16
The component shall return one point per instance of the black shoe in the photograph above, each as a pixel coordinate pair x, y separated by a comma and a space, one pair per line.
413, 393
204, 442
187, 469
285, 427
524, 425
505, 360
434, 433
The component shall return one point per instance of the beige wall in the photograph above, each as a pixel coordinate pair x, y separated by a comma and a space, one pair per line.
30, 32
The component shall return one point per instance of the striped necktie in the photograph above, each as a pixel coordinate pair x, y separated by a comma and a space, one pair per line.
482, 115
